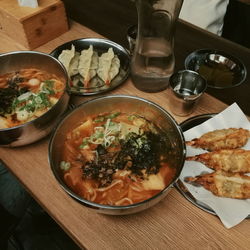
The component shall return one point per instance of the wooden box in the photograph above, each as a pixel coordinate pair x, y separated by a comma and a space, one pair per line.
33, 27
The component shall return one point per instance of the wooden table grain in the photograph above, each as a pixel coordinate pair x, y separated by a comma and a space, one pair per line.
173, 223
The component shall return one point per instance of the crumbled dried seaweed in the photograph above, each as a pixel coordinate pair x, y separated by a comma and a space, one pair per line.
102, 168
142, 152
138, 152
7, 95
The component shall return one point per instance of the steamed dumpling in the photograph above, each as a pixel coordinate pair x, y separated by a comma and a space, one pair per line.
66, 56
114, 69
88, 64
109, 65
73, 66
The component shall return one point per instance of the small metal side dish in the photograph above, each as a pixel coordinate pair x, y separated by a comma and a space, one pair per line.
100, 46
220, 69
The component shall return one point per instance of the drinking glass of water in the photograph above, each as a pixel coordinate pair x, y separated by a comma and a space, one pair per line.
153, 58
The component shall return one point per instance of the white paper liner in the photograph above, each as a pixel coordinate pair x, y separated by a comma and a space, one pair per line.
28, 3
230, 211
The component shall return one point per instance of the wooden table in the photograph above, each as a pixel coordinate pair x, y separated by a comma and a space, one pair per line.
174, 223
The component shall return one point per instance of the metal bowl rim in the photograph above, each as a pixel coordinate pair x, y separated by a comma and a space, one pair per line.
89, 39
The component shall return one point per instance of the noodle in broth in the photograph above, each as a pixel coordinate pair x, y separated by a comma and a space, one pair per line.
116, 159
26, 95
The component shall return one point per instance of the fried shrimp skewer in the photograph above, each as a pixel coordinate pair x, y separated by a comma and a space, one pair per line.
224, 184
221, 139
230, 160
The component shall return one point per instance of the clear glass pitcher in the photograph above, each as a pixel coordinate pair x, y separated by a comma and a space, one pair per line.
153, 59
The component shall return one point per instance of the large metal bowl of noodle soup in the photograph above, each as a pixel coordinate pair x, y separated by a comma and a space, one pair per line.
117, 154
33, 96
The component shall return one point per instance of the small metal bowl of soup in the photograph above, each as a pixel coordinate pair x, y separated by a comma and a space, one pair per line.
33, 96
220, 69
117, 154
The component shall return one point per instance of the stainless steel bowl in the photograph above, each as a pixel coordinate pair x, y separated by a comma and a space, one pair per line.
38, 128
220, 69
128, 104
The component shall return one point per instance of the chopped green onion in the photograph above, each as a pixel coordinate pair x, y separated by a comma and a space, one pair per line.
111, 116
38, 99
99, 119
49, 83
48, 87
65, 166
85, 142
45, 99
99, 135
30, 107
131, 117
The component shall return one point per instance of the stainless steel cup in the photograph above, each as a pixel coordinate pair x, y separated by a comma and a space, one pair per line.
186, 88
